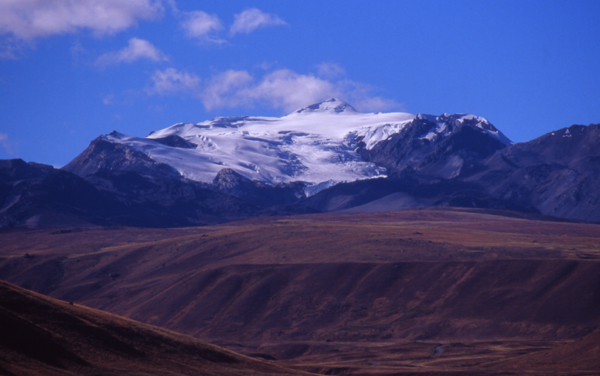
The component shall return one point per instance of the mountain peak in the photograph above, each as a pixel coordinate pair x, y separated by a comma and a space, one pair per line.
446, 124
331, 105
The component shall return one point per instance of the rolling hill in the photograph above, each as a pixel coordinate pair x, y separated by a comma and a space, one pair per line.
45, 336
422, 290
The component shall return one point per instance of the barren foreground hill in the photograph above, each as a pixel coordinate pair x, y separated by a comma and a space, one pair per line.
45, 336
423, 291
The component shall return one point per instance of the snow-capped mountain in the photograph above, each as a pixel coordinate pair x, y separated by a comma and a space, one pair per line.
320, 158
314, 145
320, 145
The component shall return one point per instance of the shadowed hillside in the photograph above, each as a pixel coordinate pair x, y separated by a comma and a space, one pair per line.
44, 336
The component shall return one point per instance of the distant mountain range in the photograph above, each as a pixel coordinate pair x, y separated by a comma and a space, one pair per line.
322, 158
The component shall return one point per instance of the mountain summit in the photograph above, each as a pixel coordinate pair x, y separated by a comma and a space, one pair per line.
319, 146
330, 105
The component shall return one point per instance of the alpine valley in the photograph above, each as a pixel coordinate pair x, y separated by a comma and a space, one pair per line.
326, 157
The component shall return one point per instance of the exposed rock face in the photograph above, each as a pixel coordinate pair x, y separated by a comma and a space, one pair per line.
18, 169
230, 182
54, 198
104, 156
441, 147
38, 195
175, 141
558, 173
407, 190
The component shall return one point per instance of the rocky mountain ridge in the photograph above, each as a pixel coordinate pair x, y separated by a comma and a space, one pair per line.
325, 157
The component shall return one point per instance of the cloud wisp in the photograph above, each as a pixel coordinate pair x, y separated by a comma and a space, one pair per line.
283, 88
279, 89
202, 26
206, 27
253, 19
223, 90
5, 144
170, 81
31, 19
137, 49
330, 70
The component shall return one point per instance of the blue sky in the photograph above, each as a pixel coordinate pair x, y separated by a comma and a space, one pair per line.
71, 71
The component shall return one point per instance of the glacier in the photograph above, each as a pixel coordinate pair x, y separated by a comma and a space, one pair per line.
316, 145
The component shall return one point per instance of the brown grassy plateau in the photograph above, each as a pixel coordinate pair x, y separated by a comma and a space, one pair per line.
423, 291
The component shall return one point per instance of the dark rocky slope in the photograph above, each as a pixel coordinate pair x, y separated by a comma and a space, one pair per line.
47, 197
440, 147
557, 173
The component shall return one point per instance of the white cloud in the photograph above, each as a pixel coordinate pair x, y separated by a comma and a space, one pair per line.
5, 144
30, 19
252, 19
280, 89
361, 97
171, 80
289, 90
173, 6
224, 90
201, 25
136, 49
